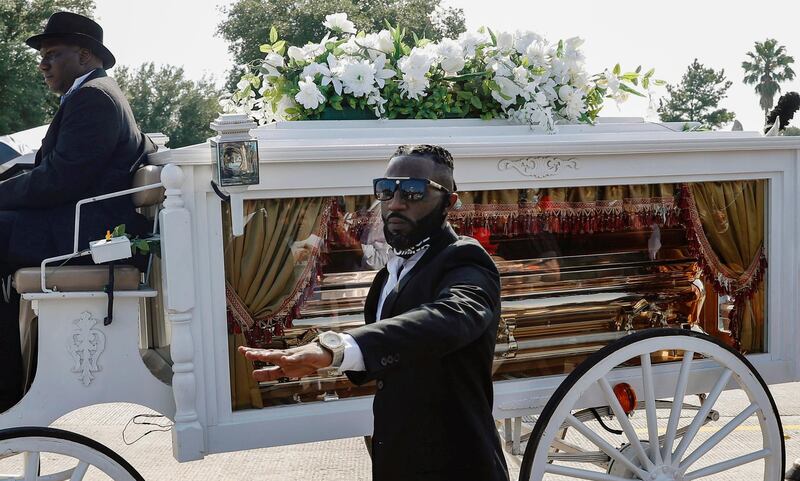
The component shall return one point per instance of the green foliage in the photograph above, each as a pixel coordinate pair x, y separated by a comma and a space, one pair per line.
143, 246
766, 69
164, 101
248, 22
25, 100
697, 97
791, 131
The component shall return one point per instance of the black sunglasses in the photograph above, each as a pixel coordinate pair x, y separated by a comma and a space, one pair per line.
411, 188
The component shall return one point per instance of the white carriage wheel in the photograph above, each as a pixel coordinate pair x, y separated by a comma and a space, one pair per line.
705, 363
32, 442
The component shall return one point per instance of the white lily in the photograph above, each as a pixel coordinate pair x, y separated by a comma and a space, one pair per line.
309, 95
312, 69
358, 78
338, 22
382, 73
333, 75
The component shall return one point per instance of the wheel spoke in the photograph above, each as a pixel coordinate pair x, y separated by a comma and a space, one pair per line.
650, 407
677, 400
701, 415
31, 469
604, 446
624, 422
80, 471
727, 465
581, 473
717, 437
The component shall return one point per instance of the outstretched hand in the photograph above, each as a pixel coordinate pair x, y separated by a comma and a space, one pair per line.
295, 362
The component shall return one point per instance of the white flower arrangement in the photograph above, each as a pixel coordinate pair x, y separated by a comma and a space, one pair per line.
518, 76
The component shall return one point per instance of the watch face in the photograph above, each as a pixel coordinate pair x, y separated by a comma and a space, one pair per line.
330, 340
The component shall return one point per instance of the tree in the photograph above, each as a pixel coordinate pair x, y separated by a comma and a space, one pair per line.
25, 101
696, 98
164, 101
298, 22
791, 131
769, 66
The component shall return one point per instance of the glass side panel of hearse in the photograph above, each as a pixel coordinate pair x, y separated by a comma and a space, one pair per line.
580, 267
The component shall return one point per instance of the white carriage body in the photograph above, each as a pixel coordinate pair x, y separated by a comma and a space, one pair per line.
336, 158
333, 158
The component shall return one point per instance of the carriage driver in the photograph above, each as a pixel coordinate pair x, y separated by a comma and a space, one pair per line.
431, 320
91, 148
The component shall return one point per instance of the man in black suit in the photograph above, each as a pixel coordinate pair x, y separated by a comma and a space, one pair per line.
90, 149
431, 322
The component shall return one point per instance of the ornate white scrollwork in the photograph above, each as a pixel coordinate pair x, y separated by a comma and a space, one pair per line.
539, 167
85, 346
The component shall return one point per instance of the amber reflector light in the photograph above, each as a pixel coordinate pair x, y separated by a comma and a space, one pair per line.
626, 396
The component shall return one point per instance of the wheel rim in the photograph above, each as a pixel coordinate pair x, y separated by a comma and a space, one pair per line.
659, 444
44, 454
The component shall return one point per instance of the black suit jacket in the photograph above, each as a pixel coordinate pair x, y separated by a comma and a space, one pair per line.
432, 358
89, 149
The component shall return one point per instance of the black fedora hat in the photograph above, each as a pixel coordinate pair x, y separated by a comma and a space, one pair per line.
82, 30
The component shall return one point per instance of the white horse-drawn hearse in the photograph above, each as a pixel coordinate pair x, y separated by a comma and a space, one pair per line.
645, 269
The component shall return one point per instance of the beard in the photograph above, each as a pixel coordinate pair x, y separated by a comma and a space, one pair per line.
426, 227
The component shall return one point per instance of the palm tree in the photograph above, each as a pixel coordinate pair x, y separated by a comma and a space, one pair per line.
766, 69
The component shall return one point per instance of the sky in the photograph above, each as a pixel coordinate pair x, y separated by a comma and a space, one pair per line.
667, 36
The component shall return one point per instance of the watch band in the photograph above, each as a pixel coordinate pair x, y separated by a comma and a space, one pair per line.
337, 353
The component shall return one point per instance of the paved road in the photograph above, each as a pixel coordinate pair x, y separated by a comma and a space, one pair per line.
341, 460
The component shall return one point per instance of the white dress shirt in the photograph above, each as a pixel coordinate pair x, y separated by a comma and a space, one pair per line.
77, 83
398, 267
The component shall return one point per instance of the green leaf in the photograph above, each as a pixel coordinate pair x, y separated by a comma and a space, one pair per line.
659, 83
464, 94
352, 102
273, 34
266, 48
476, 102
646, 82
493, 36
119, 231
279, 46
560, 49
292, 110
630, 90
617, 69
650, 73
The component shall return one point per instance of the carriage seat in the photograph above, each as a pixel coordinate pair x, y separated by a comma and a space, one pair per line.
95, 277
80, 278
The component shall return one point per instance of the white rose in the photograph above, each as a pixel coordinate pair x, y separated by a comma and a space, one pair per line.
385, 42
452, 56
522, 40
418, 62
339, 22
309, 95
470, 40
509, 90
296, 53
312, 69
272, 62
505, 41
